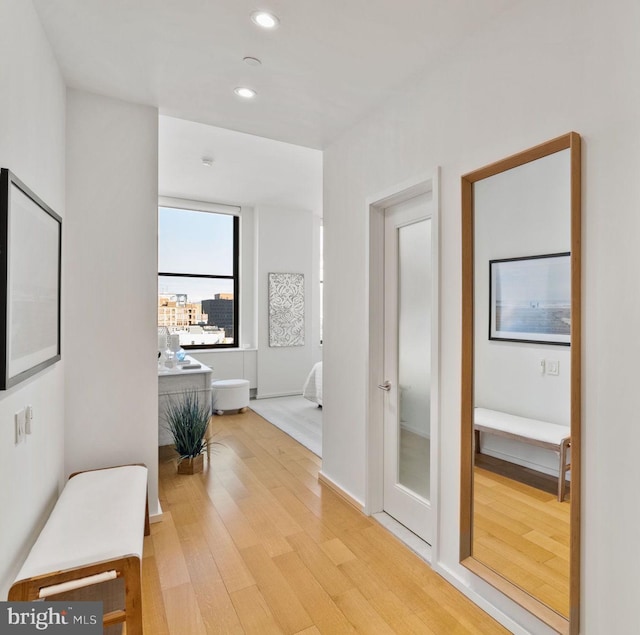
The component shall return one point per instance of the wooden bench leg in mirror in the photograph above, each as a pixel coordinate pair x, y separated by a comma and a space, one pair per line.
564, 466
147, 527
477, 441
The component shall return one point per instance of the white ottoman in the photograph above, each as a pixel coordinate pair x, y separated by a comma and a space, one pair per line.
229, 394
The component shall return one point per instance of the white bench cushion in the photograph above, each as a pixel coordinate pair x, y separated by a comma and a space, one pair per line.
521, 426
99, 516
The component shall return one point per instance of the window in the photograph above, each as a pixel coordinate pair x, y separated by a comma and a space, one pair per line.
198, 276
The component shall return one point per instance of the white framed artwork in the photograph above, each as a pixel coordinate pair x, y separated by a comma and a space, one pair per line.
286, 309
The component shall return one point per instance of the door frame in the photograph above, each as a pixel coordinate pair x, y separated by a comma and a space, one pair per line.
428, 183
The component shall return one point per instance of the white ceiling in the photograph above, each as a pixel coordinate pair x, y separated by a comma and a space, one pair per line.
247, 170
327, 65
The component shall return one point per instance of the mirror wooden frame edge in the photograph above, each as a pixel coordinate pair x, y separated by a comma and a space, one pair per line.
559, 623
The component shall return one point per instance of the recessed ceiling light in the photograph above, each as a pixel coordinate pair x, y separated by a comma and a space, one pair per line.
247, 93
207, 161
252, 61
265, 19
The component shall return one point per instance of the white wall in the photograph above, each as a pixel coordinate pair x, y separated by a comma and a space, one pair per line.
111, 280
523, 212
285, 239
230, 363
544, 69
32, 135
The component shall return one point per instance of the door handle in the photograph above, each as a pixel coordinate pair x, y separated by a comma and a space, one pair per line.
386, 386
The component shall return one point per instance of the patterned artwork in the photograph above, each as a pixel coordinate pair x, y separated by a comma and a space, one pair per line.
286, 309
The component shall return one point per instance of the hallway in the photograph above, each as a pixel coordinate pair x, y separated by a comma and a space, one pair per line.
257, 545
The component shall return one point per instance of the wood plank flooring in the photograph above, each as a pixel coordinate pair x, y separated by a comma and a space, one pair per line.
256, 545
522, 532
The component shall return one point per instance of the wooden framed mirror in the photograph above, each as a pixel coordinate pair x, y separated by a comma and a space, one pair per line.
520, 408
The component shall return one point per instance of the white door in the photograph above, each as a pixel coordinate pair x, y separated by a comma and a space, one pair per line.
407, 364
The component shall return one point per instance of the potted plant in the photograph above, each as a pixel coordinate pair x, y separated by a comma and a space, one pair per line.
187, 420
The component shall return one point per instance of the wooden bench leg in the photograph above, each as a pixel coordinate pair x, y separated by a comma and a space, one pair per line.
477, 443
133, 596
564, 466
129, 569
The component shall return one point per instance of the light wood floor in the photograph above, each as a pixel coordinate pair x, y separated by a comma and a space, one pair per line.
256, 545
523, 533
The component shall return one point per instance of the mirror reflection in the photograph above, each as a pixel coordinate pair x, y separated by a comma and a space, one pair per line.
521, 385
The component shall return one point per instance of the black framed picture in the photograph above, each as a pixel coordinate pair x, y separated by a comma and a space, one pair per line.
30, 271
530, 299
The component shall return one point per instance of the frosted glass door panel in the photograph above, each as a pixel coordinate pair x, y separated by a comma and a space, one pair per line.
414, 356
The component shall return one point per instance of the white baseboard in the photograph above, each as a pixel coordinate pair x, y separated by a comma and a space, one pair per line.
331, 484
157, 517
421, 548
278, 394
478, 599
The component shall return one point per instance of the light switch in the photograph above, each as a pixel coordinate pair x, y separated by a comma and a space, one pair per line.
28, 414
553, 366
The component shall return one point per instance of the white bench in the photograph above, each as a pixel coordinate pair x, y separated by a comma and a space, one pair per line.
543, 434
95, 533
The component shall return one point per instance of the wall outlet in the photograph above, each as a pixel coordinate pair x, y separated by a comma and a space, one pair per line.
20, 420
552, 366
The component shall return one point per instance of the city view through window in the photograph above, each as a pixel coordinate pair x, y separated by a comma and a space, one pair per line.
197, 279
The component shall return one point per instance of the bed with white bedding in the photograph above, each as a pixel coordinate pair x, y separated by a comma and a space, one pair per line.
313, 386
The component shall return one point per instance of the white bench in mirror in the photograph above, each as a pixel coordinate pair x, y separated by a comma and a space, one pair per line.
94, 534
543, 434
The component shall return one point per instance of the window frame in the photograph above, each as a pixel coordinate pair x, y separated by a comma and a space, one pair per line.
235, 277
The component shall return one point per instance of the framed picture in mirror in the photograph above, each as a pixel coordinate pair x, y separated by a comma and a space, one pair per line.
530, 299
